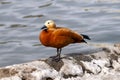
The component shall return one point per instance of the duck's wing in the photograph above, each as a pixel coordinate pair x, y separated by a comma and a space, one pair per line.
68, 33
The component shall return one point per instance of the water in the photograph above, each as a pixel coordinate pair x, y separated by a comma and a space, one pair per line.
21, 20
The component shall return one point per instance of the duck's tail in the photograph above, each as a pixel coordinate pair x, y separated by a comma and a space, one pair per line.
86, 36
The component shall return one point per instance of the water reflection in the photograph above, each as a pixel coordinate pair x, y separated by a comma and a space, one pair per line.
4, 2
33, 16
45, 5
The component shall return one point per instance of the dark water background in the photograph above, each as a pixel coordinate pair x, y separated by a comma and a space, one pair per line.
21, 20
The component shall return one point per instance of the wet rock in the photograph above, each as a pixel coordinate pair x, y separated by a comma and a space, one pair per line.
7, 72
98, 65
56, 65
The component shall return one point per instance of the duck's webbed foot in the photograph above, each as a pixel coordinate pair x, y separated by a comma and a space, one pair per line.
56, 58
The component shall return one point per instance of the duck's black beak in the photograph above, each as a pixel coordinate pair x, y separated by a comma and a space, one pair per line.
44, 27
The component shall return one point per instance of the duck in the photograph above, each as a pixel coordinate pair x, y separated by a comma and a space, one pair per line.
59, 37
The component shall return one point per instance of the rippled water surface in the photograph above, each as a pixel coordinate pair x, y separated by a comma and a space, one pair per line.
21, 20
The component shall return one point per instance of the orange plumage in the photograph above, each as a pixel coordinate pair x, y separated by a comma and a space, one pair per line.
59, 37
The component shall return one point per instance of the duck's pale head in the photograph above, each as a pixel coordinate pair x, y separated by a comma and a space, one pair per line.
49, 24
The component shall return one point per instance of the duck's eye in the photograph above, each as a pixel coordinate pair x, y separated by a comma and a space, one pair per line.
48, 23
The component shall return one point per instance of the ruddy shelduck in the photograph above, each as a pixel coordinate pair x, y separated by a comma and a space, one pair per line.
59, 37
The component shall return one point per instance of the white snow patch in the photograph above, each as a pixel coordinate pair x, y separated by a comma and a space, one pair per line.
11, 78
93, 67
45, 73
71, 67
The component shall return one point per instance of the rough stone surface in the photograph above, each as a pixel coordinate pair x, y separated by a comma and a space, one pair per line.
101, 64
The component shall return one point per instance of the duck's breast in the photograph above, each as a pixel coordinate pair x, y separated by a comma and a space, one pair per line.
44, 38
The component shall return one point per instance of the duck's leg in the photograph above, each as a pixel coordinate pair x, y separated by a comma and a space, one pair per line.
59, 52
